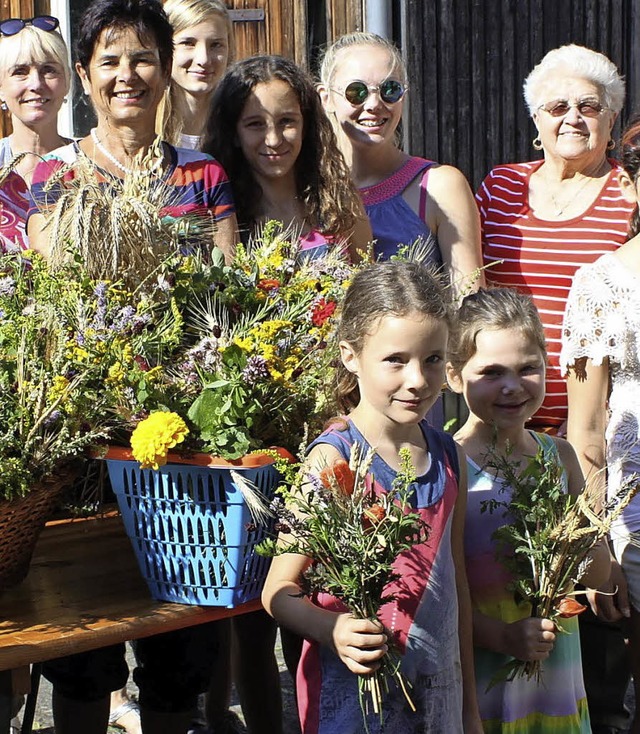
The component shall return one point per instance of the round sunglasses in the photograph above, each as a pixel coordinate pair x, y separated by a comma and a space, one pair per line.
357, 92
12, 26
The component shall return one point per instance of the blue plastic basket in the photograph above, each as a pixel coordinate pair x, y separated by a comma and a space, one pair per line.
192, 532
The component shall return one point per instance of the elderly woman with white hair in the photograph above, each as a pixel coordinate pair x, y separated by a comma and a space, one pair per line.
542, 220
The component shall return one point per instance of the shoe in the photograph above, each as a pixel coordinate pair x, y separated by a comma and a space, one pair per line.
128, 707
228, 723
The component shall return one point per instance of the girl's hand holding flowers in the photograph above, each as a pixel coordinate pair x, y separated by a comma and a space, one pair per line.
530, 639
359, 643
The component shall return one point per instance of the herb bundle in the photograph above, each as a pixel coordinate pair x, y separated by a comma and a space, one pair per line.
353, 535
547, 536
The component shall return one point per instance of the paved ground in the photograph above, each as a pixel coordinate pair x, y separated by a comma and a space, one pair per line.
44, 718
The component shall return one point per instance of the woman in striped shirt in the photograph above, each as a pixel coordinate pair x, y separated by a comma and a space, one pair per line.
541, 221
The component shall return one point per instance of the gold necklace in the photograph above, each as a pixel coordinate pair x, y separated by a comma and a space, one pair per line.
560, 208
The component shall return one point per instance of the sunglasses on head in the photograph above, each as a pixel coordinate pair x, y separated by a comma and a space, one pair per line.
356, 93
560, 107
14, 25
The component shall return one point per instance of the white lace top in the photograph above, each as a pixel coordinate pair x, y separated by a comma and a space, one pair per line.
602, 319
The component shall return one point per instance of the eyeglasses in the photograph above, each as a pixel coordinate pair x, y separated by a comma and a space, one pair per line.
12, 26
356, 93
586, 107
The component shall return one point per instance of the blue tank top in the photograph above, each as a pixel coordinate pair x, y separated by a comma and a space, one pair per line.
393, 221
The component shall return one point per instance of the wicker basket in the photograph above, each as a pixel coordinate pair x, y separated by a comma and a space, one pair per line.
190, 527
21, 521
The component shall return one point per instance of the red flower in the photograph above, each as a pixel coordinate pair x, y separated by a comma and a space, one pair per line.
339, 475
373, 515
142, 363
268, 284
322, 311
569, 607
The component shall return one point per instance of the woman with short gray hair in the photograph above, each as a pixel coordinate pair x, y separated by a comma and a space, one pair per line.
542, 220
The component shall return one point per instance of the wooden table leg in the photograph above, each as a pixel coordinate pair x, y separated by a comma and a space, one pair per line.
32, 698
6, 695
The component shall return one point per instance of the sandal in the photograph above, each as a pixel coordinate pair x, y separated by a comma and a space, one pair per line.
128, 707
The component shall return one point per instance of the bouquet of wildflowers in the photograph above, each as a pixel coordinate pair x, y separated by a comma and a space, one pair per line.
51, 409
547, 537
251, 365
353, 536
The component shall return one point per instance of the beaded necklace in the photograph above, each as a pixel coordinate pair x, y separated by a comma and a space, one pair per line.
107, 154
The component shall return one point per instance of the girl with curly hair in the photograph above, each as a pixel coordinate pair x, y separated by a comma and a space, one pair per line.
268, 128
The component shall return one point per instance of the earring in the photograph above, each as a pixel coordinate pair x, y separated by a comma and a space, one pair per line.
611, 144
64, 100
537, 144
3, 106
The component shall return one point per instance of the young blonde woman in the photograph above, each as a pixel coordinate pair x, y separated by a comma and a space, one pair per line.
363, 86
203, 48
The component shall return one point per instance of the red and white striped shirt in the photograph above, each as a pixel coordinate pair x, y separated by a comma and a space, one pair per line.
540, 257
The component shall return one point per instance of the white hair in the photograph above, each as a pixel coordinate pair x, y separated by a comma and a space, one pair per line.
580, 62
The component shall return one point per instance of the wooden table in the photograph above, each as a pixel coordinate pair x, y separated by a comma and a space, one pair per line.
84, 591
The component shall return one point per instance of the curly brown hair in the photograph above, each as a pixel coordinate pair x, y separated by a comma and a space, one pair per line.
323, 182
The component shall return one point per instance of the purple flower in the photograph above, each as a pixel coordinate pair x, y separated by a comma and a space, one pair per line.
123, 318
52, 418
255, 370
100, 292
7, 286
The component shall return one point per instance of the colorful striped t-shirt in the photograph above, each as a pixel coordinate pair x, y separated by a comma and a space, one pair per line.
198, 183
541, 257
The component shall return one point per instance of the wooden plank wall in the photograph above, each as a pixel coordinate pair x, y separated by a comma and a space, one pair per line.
467, 60
283, 31
344, 16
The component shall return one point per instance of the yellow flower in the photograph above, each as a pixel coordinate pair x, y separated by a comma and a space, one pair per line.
154, 436
59, 388
117, 374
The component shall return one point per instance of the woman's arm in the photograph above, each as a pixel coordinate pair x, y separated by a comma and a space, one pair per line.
599, 567
452, 215
38, 234
471, 713
226, 236
588, 388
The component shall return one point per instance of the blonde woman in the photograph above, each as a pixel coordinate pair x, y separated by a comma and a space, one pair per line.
203, 48
363, 88
34, 79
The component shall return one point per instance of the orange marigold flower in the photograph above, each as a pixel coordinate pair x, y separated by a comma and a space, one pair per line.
338, 475
569, 607
267, 284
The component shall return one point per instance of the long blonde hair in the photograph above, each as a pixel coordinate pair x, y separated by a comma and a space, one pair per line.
185, 14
